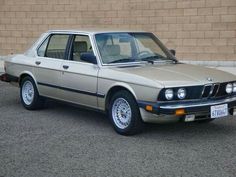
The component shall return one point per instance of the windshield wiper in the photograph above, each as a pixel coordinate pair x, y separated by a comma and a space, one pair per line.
151, 59
122, 60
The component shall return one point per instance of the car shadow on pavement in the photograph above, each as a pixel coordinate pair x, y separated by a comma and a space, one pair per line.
192, 129
221, 126
75, 111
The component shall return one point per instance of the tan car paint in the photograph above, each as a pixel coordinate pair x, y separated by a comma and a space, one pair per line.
48, 72
144, 81
79, 76
172, 75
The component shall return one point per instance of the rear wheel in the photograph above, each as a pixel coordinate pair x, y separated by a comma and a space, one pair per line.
124, 113
29, 95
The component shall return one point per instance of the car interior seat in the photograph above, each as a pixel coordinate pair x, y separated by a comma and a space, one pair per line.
78, 48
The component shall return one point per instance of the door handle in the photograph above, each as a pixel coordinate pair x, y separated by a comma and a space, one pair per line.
65, 66
38, 62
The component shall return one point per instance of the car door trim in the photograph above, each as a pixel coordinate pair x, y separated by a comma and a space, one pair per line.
73, 90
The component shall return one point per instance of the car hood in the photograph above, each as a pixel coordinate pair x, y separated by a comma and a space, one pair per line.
179, 74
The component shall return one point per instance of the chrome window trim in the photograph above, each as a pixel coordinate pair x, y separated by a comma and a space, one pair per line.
40, 44
44, 39
127, 63
91, 38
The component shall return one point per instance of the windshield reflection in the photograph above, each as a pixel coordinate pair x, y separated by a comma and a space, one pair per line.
130, 47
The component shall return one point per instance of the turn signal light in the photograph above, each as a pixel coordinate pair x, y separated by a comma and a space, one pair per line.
179, 112
149, 108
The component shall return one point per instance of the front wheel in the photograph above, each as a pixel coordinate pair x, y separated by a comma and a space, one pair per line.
29, 95
124, 114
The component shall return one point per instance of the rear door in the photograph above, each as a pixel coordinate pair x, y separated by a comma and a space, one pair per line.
79, 78
48, 64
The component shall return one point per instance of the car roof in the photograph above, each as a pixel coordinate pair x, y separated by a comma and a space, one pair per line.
93, 31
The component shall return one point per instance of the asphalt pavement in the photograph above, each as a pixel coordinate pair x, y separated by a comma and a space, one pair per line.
62, 140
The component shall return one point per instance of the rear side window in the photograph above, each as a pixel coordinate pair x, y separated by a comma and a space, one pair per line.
56, 47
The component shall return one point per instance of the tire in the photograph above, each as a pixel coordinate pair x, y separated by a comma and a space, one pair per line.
130, 122
29, 95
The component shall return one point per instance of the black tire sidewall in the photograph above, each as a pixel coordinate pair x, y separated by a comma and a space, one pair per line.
33, 105
135, 123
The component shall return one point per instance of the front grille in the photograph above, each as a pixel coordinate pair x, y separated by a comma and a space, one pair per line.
214, 90
206, 91
222, 91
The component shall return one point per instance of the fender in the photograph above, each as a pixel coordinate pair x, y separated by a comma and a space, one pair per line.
125, 85
102, 101
30, 74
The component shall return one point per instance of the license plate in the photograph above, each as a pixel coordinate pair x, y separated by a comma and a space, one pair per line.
219, 111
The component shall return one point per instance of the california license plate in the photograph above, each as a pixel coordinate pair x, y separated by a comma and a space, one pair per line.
219, 111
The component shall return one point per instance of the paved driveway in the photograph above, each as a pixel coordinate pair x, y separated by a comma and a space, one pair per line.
66, 141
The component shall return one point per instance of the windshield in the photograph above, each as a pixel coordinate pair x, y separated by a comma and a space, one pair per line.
130, 47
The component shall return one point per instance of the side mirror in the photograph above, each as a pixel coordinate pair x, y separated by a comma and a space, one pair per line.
88, 57
172, 51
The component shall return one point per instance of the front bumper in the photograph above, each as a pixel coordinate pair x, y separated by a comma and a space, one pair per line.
200, 108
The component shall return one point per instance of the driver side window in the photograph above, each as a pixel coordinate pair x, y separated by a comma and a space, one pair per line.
81, 44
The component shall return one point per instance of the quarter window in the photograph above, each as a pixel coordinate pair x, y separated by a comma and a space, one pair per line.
42, 48
57, 46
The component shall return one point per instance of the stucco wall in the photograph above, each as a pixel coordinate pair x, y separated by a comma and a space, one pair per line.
197, 29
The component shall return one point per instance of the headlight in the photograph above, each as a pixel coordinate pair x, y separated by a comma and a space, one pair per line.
181, 93
229, 88
169, 94
234, 87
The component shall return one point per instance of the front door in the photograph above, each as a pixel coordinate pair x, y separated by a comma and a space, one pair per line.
79, 78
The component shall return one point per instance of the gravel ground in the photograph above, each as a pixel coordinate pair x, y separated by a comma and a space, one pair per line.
62, 140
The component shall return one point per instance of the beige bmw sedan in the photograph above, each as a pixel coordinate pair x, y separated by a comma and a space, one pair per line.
129, 75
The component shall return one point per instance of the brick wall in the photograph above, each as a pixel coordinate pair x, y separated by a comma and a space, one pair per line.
197, 29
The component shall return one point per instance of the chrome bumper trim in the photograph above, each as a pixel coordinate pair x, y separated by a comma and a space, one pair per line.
199, 104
